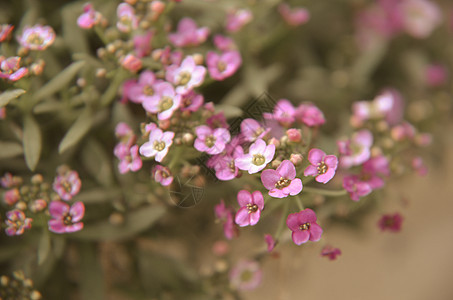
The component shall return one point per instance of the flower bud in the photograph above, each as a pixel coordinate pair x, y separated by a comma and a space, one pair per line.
296, 159
294, 135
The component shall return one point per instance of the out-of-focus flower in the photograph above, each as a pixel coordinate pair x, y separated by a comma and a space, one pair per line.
211, 141
217, 121
391, 222
224, 43
270, 242
321, 165
236, 19
252, 130
355, 151
191, 101
142, 44
282, 182
162, 175
436, 75
89, 18
376, 109
11, 196
129, 158
355, 187
284, 113
127, 20
10, 68
37, 37
65, 218
304, 227
67, 184
16, 222
373, 170
187, 76
330, 252
258, 157
293, 17
132, 63
163, 102
37, 205
225, 214
245, 275
5, 31
188, 34
419, 166
310, 115
158, 144
403, 131
251, 206
224, 65
420, 17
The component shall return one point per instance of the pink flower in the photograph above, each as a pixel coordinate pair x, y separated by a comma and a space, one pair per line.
144, 88
284, 113
225, 214
127, 20
162, 175
304, 227
11, 196
123, 130
5, 31
142, 44
355, 187
252, 130
270, 242
282, 182
37, 37
191, 101
245, 275
188, 34
379, 108
10, 68
16, 222
403, 131
419, 166
223, 164
322, 166
294, 135
251, 207
330, 252
223, 65
420, 17
67, 185
372, 170
236, 19
217, 121
258, 157
224, 43
436, 75
163, 102
356, 151
295, 17
158, 144
390, 222
89, 17
129, 158
310, 115
187, 76
132, 63
211, 141
65, 219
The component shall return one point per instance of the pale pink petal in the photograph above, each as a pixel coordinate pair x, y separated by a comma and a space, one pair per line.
287, 170
244, 197
300, 237
315, 232
270, 178
315, 156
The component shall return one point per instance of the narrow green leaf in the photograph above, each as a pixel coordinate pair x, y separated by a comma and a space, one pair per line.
92, 279
31, 142
77, 131
98, 195
59, 81
73, 35
229, 111
44, 246
7, 96
10, 149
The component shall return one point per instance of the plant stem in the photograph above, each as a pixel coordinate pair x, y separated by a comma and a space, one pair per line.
324, 192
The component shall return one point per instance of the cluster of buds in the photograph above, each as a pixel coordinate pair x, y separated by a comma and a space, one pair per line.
18, 287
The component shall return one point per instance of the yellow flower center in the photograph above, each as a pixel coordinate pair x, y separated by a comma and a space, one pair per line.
258, 159
322, 168
305, 226
159, 145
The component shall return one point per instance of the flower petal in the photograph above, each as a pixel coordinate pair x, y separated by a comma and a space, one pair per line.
58, 208
315, 232
287, 170
295, 187
77, 211
301, 236
258, 199
244, 197
255, 217
242, 217
269, 178
315, 156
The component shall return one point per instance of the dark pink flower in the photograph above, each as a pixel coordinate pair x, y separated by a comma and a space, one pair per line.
224, 43
163, 102
310, 115
5, 31
144, 88
162, 175
330, 252
127, 20
436, 75
245, 275
191, 101
158, 144
373, 170
211, 141
390, 222
11, 196
304, 227
355, 187
236, 19
188, 34
142, 44
251, 206
270, 242
282, 182
66, 219
225, 215
224, 65
67, 185
293, 17
252, 130
37, 37
16, 222
129, 158
10, 68
89, 17
186, 76
357, 150
284, 112
322, 166
258, 157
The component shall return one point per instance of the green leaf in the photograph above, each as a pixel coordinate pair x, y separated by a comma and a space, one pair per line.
97, 162
98, 195
31, 142
44, 246
73, 35
92, 279
59, 81
77, 131
7, 96
135, 222
10, 149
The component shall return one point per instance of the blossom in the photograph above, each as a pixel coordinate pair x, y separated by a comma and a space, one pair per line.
127, 20
284, 113
162, 175
67, 185
142, 89
376, 109
65, 218
211, 141
16, 222
217, 120
223, 65
5, 31
357, 150
224, 43
293, 17
132, 63
309, 114
251, 206
236, 19
11, 196
191, 101
304, 227
252, 130
129, 158
223, 164
245, 275
419, 166
294, 135
10, 68
330, 252
188, 34
270, 242
258, 157
282, 182
321, 165
225, 214
37, 37
420, 17
187, 76
403, 131
391, 222
142, 44
89, 17
436, 75
163, 102
373, 169
158, 144
355, 187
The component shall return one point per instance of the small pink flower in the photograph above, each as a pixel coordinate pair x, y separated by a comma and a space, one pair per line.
127, 20
436, 75
188, 34
142, 44
158, 144
16, 222
37, 205
322, 166
220, 210
223, 164
225, 215
132, 63
355, 187
217, 121
5, 31
123, 130
420, 17
144, 88
310, 115
236, 19
67, 185
89, 17
224, 43
129, 158
11, 196
304, 227
65, 219
211, 141
403, 131
224, 65
164, 102
251, 206
294, 135
376, 109
284, 113
282, 182
10, 68
270, 242
191, 101
162, 175
37, 37
419, 166
372, 171
330, 252
7, 181
258, 157
357, 150
294, 17
390, 222
187, 76
245, 275
252, 130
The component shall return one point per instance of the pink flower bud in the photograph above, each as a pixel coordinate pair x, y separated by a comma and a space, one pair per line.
294, 135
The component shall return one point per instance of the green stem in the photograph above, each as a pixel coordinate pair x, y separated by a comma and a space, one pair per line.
299, 203
176, 156
282, 220
324, 192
